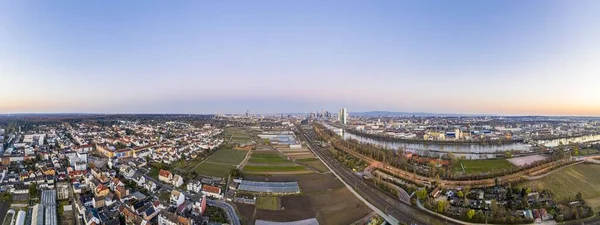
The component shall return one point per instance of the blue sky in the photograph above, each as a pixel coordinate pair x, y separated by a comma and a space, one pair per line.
499, 57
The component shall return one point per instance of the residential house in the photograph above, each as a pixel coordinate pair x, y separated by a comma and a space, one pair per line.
110, 199
177, 181
98, 202
138, 179
116, 183
165, 176
91, 217
212, 191
177, 198
101, 190
167, 218
121, 192
194, 186
150, 186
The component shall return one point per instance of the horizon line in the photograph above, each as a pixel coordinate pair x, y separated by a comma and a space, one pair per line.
432, 114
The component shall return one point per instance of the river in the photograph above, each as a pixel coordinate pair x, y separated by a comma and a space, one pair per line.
469, 151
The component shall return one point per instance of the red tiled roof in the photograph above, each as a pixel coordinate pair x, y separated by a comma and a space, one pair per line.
211, 189
164, 173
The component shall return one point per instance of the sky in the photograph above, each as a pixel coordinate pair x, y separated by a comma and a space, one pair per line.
474, 57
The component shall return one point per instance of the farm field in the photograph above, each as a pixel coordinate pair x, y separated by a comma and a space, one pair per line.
297, 153
316, 164
274, 168
268, 158
237, 135
213, 169
220, 163
588, 151
566, 183
270, 162
268, 202
307, 160
227, 156
323, 197
479, 166
525, 160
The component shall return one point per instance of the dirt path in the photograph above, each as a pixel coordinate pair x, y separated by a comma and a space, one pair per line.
243, 163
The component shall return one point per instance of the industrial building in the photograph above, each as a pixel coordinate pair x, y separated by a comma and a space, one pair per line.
20, 218
49, 205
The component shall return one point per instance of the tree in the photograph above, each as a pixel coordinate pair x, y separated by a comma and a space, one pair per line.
470, 214
33, 191
494, 208
236, 173
442, 206
460, 194
576, 150
422, 194
578, 196
122, 220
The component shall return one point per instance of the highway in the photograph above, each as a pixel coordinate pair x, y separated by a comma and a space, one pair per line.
229, 210
385, 202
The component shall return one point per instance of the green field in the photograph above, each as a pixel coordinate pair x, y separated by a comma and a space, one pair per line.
153, 172
307, 160
270, 162
269, 203
214, 170
566, 183
273, 168
267, 158
220, 163
318, 165
227, 156
481, 166
237, 135
182, 166
588, 151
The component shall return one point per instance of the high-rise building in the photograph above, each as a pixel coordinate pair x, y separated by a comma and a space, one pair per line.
343, 116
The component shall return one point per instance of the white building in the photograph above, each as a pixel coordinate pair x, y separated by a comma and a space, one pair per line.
177, 181
212, 191
177, 198
150, 186
194, 186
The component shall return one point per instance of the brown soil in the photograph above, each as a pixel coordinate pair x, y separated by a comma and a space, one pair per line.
323, 197
295, 208
338, 206
245, 148
246, 212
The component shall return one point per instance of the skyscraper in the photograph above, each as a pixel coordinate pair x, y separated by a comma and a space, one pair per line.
343, 116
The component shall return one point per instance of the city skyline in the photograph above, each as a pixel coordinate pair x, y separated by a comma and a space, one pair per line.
463, 57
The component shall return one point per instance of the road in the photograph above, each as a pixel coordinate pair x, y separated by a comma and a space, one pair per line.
385, 202
229, 210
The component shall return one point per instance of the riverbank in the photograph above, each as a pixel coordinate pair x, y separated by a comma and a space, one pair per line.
384, 137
